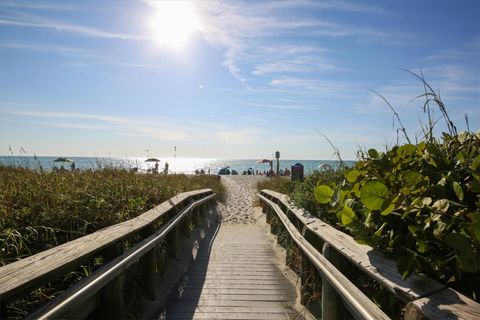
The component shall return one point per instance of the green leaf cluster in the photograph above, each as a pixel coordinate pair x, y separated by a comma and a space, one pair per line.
418, 203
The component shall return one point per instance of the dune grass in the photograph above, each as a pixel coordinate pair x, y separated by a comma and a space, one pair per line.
39, 210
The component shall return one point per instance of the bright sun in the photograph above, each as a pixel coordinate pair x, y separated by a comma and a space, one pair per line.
174, 22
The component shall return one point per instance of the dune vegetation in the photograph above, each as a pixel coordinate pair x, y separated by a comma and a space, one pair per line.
39, 210
418, 202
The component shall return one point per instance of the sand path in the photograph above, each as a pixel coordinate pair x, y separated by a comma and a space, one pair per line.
238, 205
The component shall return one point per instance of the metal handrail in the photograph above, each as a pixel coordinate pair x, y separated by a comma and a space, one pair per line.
358, 303
114, 268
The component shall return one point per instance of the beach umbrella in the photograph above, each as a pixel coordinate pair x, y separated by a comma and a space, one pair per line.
63, 160
264, 161
326, 167
152, 160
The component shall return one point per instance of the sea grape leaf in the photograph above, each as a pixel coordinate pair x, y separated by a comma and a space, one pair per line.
426, 201
323, 194
458, 190
441, 205
413, 229
457, 241
469, 262
373, 195
406, 150
372, 153
411, 178
347, 215
352, 176
475, 163
378, 233
388, 209
356, 190
476, 229
421, 246
439, 228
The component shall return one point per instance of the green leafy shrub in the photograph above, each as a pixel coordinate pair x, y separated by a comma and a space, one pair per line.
419, 204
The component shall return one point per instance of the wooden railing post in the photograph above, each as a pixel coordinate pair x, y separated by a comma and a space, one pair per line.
149, 268
331, 301
172, 243
310, 281
411, 313
112, 296
289, 245
196, 215
274, 224
203, 209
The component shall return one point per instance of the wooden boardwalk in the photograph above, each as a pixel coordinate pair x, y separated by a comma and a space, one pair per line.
236, 278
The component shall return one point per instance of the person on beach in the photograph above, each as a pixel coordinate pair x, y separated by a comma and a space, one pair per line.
166, 168
72, 166
156, 167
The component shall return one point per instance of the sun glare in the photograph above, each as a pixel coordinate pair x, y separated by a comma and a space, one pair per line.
174, 22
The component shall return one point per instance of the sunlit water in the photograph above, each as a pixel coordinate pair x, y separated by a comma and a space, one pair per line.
175, 165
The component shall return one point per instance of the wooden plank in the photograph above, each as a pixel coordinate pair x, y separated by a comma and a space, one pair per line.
242, 285
277, 308
375, 264
359, 304
27, 274
447, 304
226, 284
228, 303
264, 290
369, 260
432, 299
237, 297
228, 315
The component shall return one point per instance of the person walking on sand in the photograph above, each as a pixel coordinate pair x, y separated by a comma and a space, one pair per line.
72, 166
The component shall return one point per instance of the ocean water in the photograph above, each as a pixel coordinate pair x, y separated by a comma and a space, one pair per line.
176, 165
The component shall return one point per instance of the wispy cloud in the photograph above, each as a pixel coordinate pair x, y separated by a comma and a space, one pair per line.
50, 48
310, 84
37, 22
154, 129
37, 5
244, 29
84, 58
278, 106
337, 5
163, 129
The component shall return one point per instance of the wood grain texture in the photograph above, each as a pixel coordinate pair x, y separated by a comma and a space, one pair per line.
27, 274
432, 299
239, 278
371, 261
447, 304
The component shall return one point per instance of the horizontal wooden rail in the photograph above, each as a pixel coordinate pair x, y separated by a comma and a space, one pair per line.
424, 297
113, 269
359, 305
21, 277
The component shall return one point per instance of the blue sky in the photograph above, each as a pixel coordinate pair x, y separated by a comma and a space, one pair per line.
108, 78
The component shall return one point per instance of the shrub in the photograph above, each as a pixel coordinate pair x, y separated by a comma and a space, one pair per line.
419, 204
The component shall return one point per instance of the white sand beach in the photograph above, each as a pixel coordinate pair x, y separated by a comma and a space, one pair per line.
240, 197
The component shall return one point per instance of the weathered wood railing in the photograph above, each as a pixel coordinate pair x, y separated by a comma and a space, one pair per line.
104, 288
424, 297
